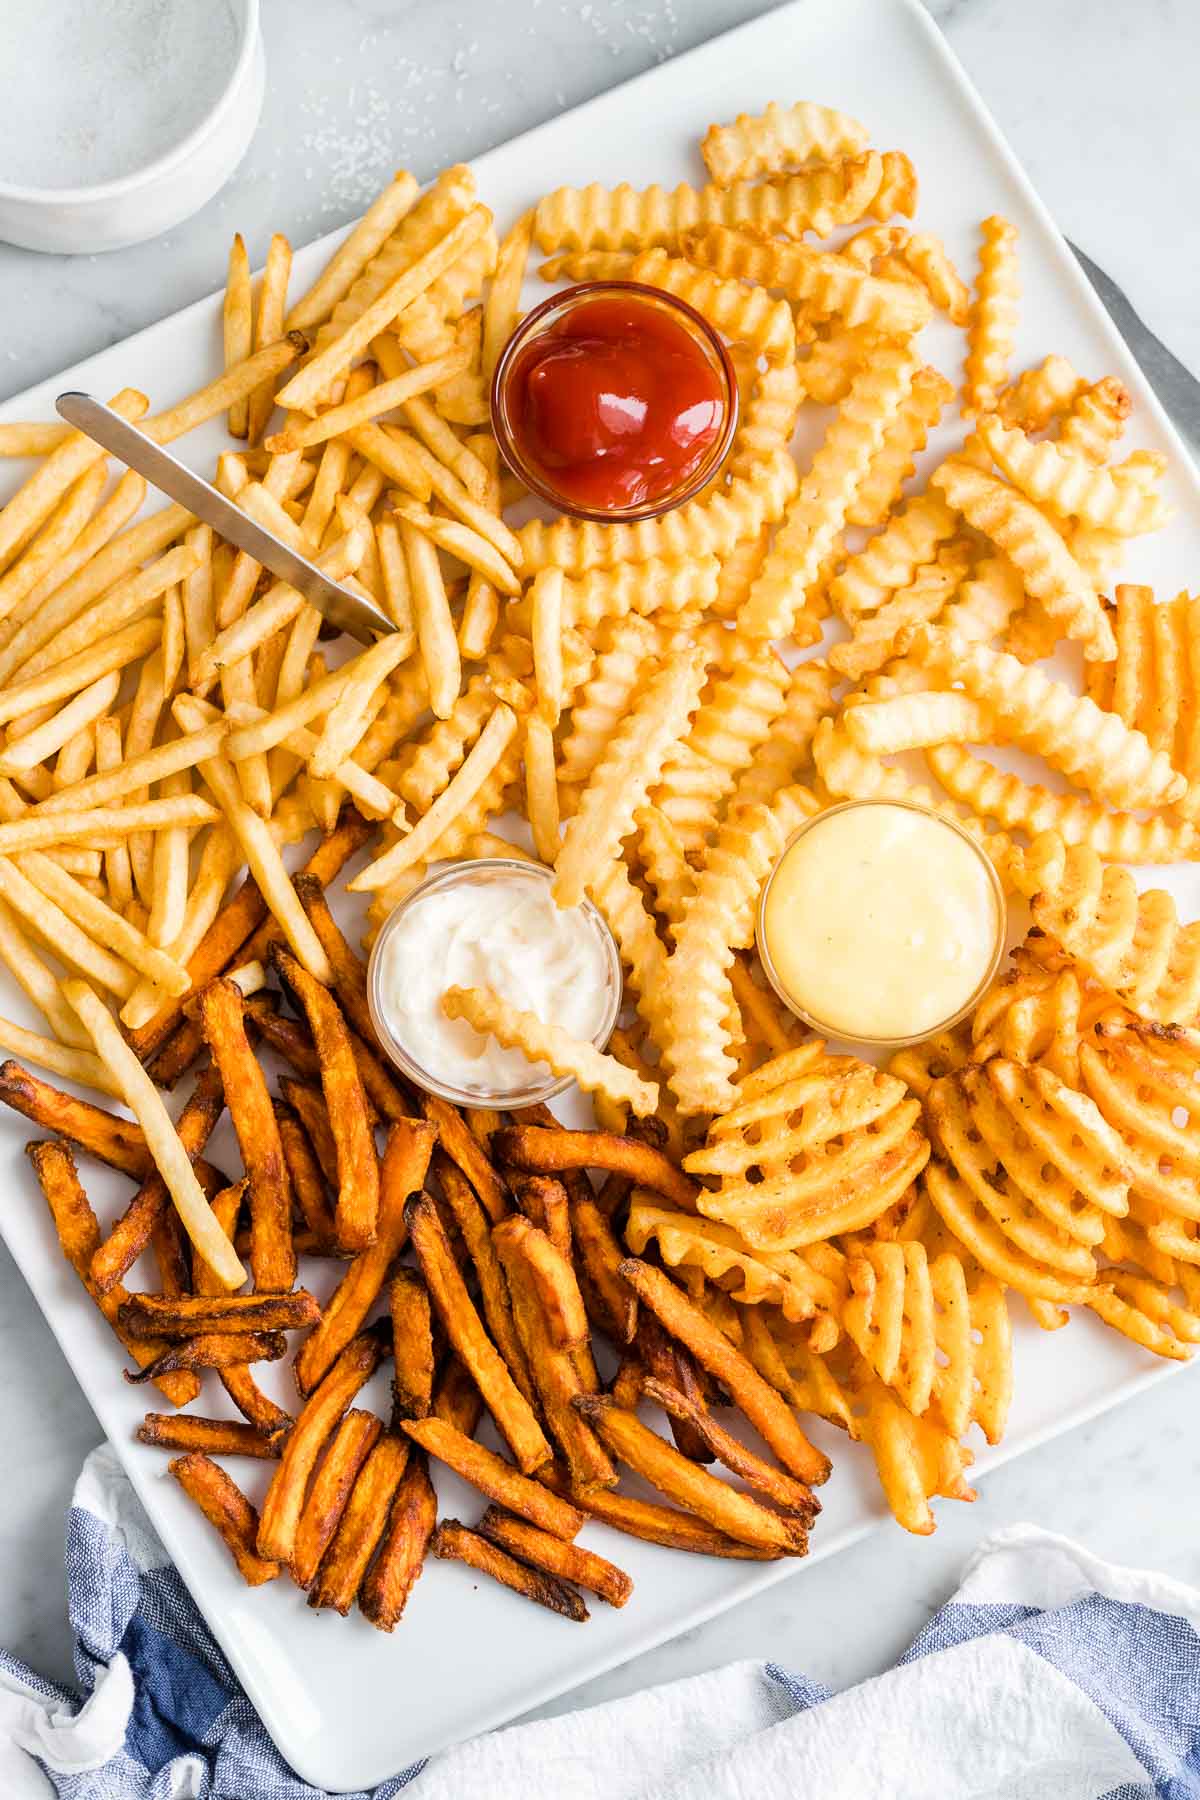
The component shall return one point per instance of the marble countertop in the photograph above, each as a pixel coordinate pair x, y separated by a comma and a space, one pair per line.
1097, 102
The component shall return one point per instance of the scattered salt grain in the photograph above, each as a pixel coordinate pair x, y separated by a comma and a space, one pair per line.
93, 90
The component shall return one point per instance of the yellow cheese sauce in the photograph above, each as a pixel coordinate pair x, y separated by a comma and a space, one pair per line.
881, 921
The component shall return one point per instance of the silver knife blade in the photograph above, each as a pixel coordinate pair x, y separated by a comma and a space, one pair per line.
1172, 381
173, 478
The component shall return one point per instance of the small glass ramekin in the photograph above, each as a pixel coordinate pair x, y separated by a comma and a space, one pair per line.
822, 1026
507, 434
453, 875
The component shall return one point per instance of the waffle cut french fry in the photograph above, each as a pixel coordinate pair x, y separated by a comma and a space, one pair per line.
1142, 1081
781, 1278
856, 1148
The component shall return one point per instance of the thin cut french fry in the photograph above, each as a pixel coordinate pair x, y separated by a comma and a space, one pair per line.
142, 1099
237, 325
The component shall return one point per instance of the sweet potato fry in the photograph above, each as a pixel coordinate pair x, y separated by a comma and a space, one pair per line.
286, 1036
456, 1399
350, 982
468, 1215
483, 1120
131, 1233
770, 1415
213, 1350
363, 1523
320, 1413
412, 1346
309, 1105
227, 1508
236, 1378
657, 1524
559, 1374
659, 1463
222, 1020
239, 919
663, 1359
219, 1437
544, 1200
308, 1184
405, 1161
553, 1279
79, 1236
411, 1521
498, 1479
177, 1054
251, 1402
612, 1304
351, 1444
540, 1151
190, 1315
453, 1542
115, 1141
169, 1247
782, 1489
570, 1562
447, 1290
357, 1206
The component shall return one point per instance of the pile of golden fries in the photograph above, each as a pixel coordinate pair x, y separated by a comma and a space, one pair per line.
810, 1235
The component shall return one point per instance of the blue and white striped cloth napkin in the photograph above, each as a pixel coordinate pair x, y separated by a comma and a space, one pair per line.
1050, 1674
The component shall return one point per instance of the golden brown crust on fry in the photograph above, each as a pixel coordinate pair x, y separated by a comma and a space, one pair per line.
508, 1406
499, 1480
363, 1523
222, 1020
318, 1417
404, 1164
544, 1152
762, 1405
329, 1494
184, 1316
453, 1542
227, 1508
219, 1437
113, 1140
414, 1364
401, 1557
79, 1236
357, 1205
570, 1562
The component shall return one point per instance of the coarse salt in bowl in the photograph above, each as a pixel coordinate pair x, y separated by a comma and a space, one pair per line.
120, 118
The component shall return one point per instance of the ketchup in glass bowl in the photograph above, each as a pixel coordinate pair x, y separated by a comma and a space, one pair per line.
614, 401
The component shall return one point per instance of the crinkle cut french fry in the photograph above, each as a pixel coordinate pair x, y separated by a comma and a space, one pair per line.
542, 1041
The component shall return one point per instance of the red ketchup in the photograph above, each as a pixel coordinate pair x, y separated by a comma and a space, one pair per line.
615, 404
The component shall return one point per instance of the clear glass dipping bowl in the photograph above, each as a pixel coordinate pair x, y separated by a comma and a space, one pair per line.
539, 319
822, 1026
492, 868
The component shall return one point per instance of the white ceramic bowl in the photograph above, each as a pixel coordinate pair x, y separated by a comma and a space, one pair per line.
114, 214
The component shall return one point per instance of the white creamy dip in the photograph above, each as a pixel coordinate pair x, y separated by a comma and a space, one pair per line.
499, 929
